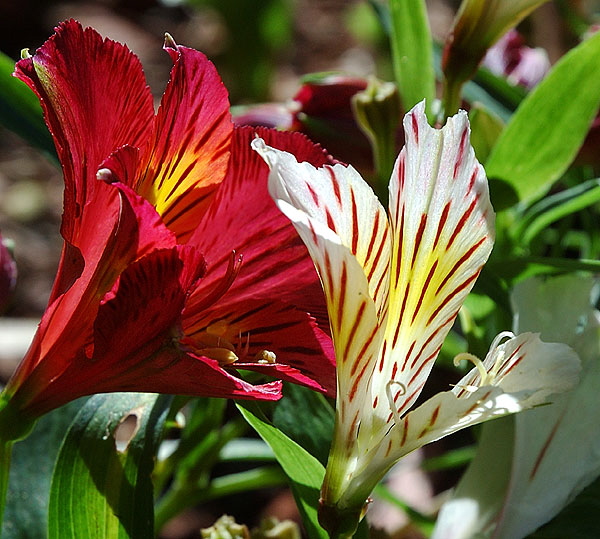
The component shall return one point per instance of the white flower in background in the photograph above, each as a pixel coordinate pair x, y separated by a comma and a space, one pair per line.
548, 455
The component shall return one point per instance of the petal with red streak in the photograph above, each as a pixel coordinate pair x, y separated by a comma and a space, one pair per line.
443, 232
243, 218
347, 233
303, 353
188, 152
121, 227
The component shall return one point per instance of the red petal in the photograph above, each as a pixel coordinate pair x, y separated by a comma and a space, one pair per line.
120, 228
243, 218
95, 99
304, 353
135, 346
189, 149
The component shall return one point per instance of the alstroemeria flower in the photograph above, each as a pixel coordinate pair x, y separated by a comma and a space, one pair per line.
177, 266
394, 287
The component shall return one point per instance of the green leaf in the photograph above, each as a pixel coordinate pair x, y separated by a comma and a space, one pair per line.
31, 472
304, 471
314, 432
101, 487
555, 207
412, 52
517, 269
547, 130
20, 110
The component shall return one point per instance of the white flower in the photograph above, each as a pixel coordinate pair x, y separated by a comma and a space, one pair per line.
394, 287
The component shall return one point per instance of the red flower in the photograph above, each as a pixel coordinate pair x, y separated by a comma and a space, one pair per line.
177, 267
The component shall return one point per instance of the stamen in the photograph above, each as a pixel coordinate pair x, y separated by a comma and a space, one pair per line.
243, 351
105, 175
233, 268
222, 355
499, 338
392, 404
265, 357
466, 356
169, 42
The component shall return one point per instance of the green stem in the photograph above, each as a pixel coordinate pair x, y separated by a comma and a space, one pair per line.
383, 156
451, 97
5, 453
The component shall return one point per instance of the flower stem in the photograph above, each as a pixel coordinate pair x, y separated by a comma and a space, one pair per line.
5, 453
451, 96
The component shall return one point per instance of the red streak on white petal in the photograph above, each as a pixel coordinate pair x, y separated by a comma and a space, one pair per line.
424, 291
335, 185
441, 223
313, 194
461, 153
461, 223
342, 296
355, 230
415, 127
418, 239
330, 221
352, 335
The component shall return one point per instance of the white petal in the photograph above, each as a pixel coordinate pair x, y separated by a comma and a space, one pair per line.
346, 231
530, 373
525, 364
442, 225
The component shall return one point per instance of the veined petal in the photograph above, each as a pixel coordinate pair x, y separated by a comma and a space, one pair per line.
263, 300
120, 228
266, 336
522, 373
344, 207
525, 363
442, 224
346, 231
135, 344
188, 152
243, 218
95, 99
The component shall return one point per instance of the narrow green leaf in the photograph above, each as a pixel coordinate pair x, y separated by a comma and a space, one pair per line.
558, 206
314, 432
31, 472
20, 110
102, 487
304, 471
517, 269
412, 52
547, 130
